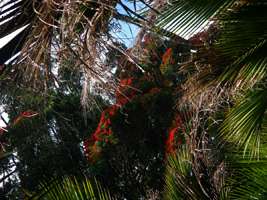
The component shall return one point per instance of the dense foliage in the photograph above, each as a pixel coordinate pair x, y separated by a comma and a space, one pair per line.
181, 114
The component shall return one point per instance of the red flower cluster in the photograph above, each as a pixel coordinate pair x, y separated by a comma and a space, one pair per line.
102, 135
167, 57
167, 60
175, 136
29, 114
104, 126
124, 92
25, 114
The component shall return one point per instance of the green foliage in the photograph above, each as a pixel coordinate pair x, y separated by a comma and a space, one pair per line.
180, 178
242, 41
248, 180
48, 144
249, 58
243, 124
186, 17
136, 163
241, 178
71, 188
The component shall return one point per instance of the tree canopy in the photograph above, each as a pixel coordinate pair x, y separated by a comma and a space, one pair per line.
133, 99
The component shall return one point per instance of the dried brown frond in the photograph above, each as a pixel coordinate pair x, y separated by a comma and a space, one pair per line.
76, 33
64, 30
200, 114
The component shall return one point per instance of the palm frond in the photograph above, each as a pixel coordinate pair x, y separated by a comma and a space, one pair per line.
243, 125
71, 188
249, 58
243, 28
185, 18
14, 15
247, 179
180, 180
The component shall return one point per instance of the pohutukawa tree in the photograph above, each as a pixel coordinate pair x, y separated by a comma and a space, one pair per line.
185, 105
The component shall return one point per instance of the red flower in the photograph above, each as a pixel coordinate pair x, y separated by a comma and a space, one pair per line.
102, 118
98, 129
167, 56
109, 131
126, 81
112, 110
29, 114
108, 121
25, 114
175, 138
171, 141
123, 82
129, 81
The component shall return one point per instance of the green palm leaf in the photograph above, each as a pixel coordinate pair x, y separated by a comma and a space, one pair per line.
243, 28
243, 40
180, 181
243, 125
247, 179
185, 18
71, 188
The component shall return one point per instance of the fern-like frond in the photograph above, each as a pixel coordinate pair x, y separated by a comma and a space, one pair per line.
243, 40
71, 188
185, 18
180, 180
247, 180
243, 125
